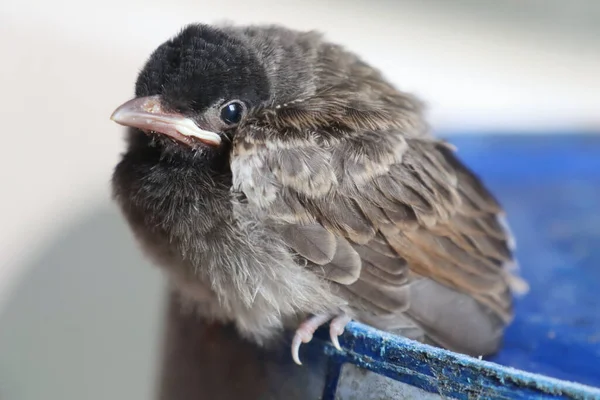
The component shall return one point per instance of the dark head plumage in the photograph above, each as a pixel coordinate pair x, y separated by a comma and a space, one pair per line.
203, 66
216, 77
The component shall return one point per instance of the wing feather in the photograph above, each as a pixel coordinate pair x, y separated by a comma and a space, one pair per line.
398, 222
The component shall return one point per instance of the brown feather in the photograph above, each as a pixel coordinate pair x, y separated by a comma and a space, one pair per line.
378, 276
341, 215
393, 298
345, 268
391, 265
437, 309
312, 242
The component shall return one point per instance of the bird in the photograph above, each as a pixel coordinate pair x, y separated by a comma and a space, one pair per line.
283, 183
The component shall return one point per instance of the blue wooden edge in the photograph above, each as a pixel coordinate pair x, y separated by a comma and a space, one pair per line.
438, 371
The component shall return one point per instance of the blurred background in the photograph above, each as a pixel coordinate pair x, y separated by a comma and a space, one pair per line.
80, 309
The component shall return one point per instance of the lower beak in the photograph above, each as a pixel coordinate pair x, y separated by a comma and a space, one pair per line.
147, 113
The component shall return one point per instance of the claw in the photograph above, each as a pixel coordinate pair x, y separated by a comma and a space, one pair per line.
296, 342
305, 331
335, 340
336, 328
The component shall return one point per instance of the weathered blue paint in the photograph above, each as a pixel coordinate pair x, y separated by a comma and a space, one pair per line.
550, 186
441, 371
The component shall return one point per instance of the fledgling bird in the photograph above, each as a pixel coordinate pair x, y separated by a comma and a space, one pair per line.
284, 183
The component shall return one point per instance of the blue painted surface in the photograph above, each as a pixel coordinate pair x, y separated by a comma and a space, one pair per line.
440, 371
550, 187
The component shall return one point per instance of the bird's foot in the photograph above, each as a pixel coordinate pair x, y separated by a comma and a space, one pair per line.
305, 331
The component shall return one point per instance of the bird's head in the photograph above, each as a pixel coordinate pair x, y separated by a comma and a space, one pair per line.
197, 88
194, 90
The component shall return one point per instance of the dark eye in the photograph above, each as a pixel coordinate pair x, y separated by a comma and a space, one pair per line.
232, 113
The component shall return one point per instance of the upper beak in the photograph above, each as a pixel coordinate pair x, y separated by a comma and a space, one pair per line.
147, 113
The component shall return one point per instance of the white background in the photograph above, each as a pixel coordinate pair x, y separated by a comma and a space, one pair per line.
79, 307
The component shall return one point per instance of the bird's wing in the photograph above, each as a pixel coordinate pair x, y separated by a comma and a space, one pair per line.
377, 213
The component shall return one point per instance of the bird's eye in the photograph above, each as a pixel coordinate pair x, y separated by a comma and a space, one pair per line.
232, 113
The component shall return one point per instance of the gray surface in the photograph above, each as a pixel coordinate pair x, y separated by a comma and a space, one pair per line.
82, 321
360, 384
576, 22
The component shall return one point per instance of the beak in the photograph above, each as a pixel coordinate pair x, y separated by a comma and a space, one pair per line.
147, 114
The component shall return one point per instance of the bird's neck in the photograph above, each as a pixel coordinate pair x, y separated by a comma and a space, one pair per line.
173, 197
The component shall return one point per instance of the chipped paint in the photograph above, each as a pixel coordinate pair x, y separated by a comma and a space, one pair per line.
439, 371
